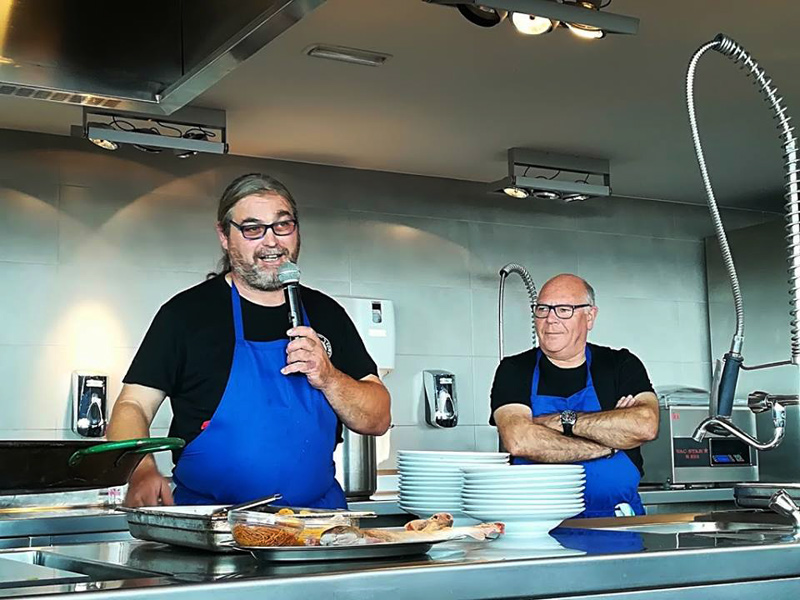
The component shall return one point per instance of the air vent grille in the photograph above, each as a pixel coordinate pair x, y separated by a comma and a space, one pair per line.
52, 96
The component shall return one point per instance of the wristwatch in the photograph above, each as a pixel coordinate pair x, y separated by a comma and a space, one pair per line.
568, 420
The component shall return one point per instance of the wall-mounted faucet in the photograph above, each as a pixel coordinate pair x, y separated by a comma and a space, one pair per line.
726, 373
530, 287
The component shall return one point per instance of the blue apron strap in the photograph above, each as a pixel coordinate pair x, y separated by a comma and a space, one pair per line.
535, 380
589, 382
236, 301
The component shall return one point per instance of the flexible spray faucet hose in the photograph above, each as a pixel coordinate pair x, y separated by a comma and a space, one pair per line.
530, 287
728, 47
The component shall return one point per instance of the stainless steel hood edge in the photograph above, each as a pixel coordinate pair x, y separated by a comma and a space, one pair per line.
156, 84
265, 28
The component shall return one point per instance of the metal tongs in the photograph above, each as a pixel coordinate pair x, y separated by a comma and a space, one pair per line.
222, 513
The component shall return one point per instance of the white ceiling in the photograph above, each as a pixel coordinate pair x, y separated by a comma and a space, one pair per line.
454, 96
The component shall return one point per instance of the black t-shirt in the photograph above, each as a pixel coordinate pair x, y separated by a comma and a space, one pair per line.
615, 373
188, 350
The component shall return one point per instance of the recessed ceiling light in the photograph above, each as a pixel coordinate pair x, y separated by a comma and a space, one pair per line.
516, 192
531, 24
482, 16
101, 142
576, 197
546, 195
354, 56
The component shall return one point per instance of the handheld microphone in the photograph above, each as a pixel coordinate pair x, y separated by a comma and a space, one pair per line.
289, 278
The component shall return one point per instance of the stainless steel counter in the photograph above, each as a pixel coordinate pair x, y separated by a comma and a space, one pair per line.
625, 556
63, 525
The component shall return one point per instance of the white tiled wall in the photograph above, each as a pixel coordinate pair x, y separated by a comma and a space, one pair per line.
92, 243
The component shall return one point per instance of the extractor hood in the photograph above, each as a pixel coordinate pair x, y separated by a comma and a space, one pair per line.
151, 56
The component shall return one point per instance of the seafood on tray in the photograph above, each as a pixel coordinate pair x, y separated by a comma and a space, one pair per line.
290, 533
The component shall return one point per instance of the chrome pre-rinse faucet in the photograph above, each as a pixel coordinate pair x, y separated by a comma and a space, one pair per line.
726, 372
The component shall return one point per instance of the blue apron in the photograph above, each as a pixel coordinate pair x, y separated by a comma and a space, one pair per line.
609, 481
271, 433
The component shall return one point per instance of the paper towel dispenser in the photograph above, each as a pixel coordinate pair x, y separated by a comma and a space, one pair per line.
374, 320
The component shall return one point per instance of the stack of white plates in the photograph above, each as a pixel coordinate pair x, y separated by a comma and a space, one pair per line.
430, 481
529, 499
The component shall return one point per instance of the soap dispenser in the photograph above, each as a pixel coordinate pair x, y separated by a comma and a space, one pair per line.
89, 404
441, 404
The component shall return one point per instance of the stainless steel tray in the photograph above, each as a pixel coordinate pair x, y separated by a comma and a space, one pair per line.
757, 495
334, 553
197, 526
190, 526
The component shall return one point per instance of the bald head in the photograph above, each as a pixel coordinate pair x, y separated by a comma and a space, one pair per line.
569, 283
563, 340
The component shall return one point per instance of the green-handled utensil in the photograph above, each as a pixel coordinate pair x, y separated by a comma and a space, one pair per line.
138, 446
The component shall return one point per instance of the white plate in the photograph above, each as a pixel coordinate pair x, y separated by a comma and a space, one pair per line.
494, 495
429, 494
437, 454
430, 472
430, 509
533, 511
529, 480
425, 478
450, 498
529, 514
502, 469
430, 485
528, 503
442, 464
543, 488
494, 475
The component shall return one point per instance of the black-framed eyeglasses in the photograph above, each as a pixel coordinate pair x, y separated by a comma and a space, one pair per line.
563, 311
256, 231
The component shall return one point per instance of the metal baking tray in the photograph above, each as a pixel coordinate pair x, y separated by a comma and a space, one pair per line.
198, 526
190, 526
334, 553
757, 495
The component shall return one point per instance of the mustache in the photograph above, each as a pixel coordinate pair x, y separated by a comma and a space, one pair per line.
278, 252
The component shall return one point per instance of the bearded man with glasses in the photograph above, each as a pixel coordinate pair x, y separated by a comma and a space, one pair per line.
569, 401
260, 406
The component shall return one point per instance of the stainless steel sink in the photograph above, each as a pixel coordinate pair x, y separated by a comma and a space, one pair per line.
734, 521
51, 568
700, 527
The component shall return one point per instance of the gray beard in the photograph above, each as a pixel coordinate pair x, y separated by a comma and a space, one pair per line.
256, 279
266, 282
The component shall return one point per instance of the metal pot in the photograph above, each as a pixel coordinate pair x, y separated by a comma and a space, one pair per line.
356, 465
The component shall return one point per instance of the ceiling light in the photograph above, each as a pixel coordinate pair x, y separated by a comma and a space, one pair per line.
516, 192
144, 148
531, 24
586, 32
188, 131
192, 135
583, 30
482, 16
553, 176
101, 141
354, 56
575, 197
585, 15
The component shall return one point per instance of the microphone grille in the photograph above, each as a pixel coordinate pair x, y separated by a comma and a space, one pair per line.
288, 272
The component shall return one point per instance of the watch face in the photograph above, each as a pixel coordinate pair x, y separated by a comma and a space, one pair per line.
569, 416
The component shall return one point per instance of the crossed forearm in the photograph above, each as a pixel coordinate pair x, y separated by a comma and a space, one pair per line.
533, 441
363, 406
622, 428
